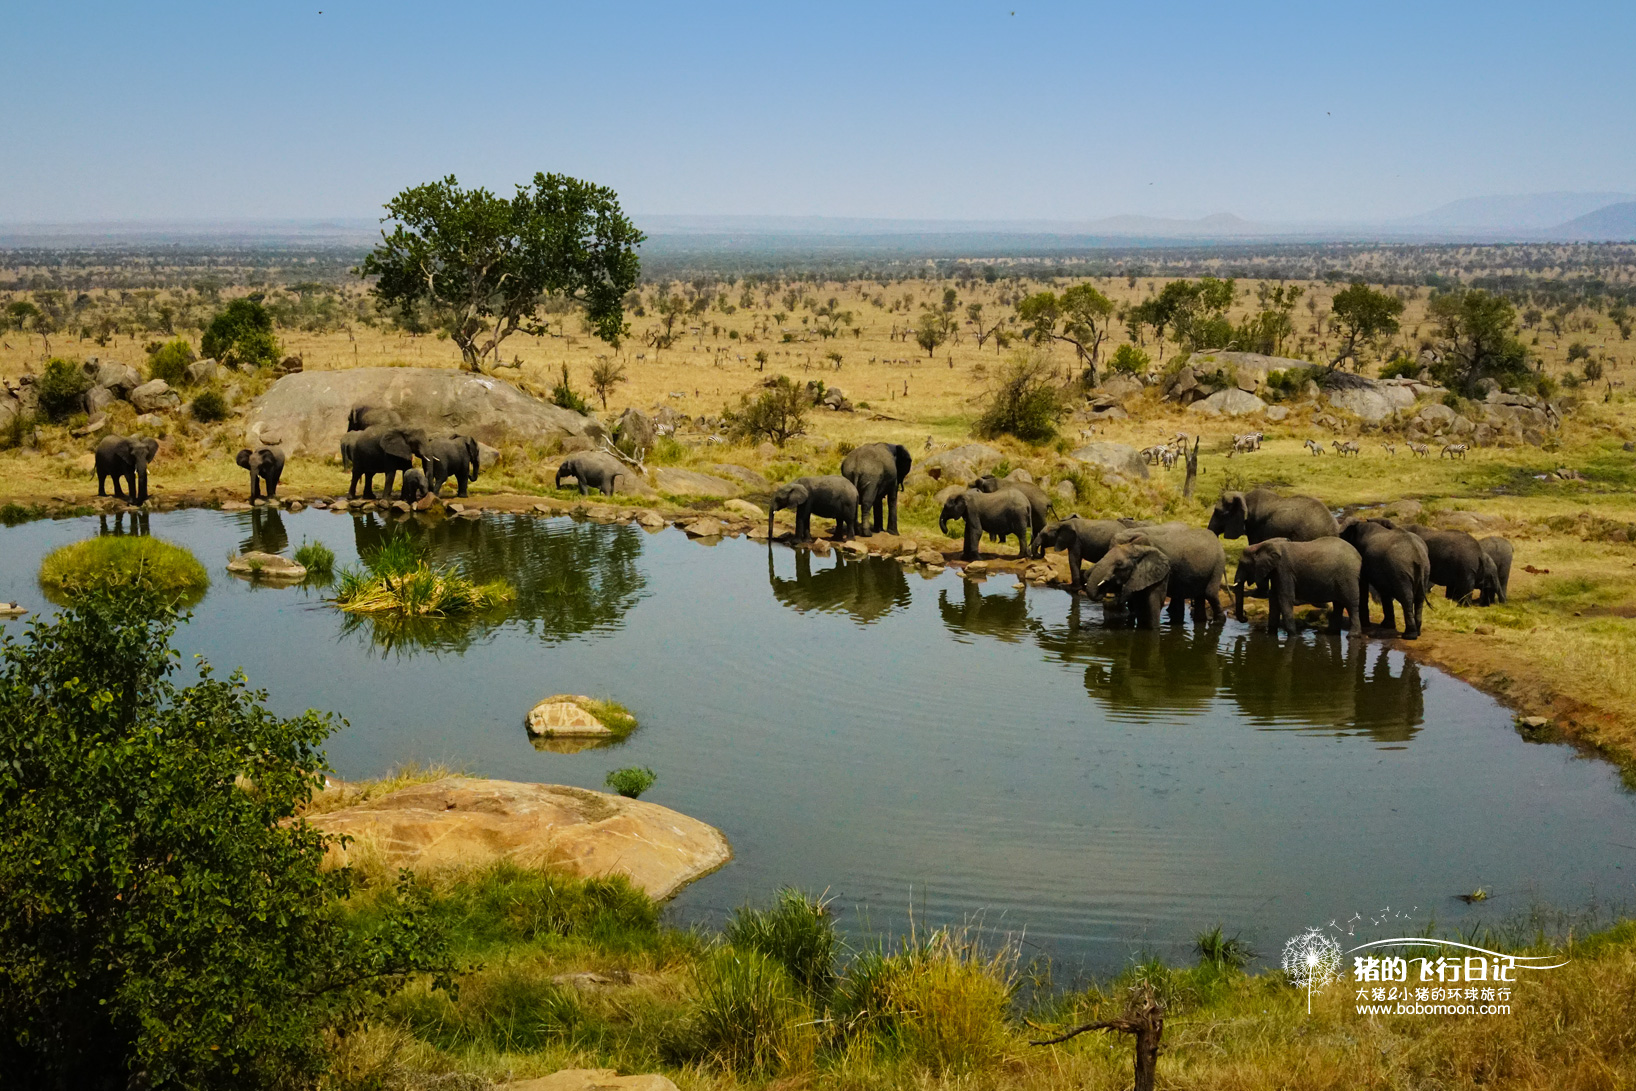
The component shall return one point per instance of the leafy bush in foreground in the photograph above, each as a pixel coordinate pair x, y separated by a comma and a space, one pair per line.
170, 360
161, 925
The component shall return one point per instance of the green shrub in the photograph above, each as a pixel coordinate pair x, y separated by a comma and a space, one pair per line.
119, 561
209, 407
241, 334
1400, 367
170, 360
1222, 952
777, 414
1025, 403
159, 914
1130, 360
13, 514
564, 395
798, 933
61, 388
1290, 382
631, 781
316, 557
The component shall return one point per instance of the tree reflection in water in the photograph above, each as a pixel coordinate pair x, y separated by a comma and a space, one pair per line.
868, 588
571, 578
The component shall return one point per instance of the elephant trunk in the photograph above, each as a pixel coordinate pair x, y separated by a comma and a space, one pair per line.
1100, 573
772, 510
943, 524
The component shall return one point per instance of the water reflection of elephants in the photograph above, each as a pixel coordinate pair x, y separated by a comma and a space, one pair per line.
571, 578
1312, 682
868, 588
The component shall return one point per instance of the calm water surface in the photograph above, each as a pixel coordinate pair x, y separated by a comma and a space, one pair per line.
960, 749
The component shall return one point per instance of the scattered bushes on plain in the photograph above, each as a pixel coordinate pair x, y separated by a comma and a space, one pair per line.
778, 414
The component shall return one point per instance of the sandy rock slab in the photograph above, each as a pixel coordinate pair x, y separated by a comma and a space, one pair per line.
466, 822
565, 716
591, 1079
266, 566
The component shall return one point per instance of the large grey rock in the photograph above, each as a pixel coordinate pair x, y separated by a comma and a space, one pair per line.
1244, 363
1120, 387
1366, 402
963, 463
1231, 402
155, 397
637, 428
10, 408
679, 482
1276, 413
309, 409
202, 371
1121, 458
119, 378
98, 399
1436, 418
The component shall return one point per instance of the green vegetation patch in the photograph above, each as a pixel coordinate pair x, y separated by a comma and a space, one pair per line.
398, 579
124, 561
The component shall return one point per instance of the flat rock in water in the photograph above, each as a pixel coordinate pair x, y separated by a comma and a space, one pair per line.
462, 822
564, 716
703, 528
652, 520
11, 609
591, 1079
265, 566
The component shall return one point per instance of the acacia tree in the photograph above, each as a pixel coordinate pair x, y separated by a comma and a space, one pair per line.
484, 263
1081, 312
1362, 314
1475, 340
605, 375
932, 330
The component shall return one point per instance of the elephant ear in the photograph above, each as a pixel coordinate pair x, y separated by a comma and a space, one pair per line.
396, 444
798, 494
904, 461
243, 458
151, 446
1153, 567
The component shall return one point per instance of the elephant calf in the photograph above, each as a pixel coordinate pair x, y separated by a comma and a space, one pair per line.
1138, 575
1396, 567
831, 496
266, 466
1005, 513
414, 487
592, 470
1498, 551
1324, 572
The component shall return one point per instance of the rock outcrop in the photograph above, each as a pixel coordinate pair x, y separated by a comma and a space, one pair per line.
1232, 402
963, 463
154, 396
1120, 458
565, 716
461, 822
680, 482
266, 566
309, 409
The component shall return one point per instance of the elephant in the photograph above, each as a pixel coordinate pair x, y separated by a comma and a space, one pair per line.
592, 470
877, 471
1322, 572
379, 450
1198, 565
1006, 512
266, 466
1138, 574
125, 459
1261, 514
1038, 501
1497, 550
414, 486
831, 496
450, 456
367, 416
1396, 567
1460, 564
1084, 539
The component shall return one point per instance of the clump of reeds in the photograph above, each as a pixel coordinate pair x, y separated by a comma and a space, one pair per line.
399, 579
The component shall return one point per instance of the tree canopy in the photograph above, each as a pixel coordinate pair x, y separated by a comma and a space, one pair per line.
1078, 316
1363, 315
1474, 339
484, 263
241, 333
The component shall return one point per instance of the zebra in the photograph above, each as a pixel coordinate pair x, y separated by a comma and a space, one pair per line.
1389, 449
1169, 457
1154, 453
1243, 443
1418, 450
1454, 450
1350, 447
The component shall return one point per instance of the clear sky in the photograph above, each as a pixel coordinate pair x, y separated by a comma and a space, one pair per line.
1016, 110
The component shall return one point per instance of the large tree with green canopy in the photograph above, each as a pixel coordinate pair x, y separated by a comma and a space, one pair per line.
484, 263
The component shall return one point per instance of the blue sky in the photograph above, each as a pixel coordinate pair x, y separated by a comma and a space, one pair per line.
1276, 112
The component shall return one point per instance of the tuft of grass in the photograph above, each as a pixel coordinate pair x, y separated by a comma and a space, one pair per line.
342, 793
1222, 952
613, 716
115, 561
316, 557
748, 1016
12, 514
798, 933
631, 781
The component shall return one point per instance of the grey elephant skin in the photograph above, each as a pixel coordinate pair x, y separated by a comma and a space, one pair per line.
1198, 565
1324, 572
360, 417
1499, 551
830, 496
125, 459
1084, 540
414, 487
1138, 575
1459, 564
266, 466
592, 470
1038, 502
450, 456
379, 450
877, 471
1261, 514
1004, 513
1396, 567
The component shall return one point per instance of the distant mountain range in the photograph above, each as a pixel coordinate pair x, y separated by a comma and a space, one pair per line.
1519, 212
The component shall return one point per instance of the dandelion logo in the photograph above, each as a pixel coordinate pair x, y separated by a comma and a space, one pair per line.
1312, 960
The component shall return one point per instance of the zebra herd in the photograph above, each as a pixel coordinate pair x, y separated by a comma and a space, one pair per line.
1167, 454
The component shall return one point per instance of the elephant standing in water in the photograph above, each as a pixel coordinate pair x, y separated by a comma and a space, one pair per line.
1396, 567
266, 466
1005, 513
830, 496
877, 471
1198, 566
125, 459
1261, 514
1325, 572
1138, 575
868, 588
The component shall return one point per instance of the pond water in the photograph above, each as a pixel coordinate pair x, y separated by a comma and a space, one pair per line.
927, 744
